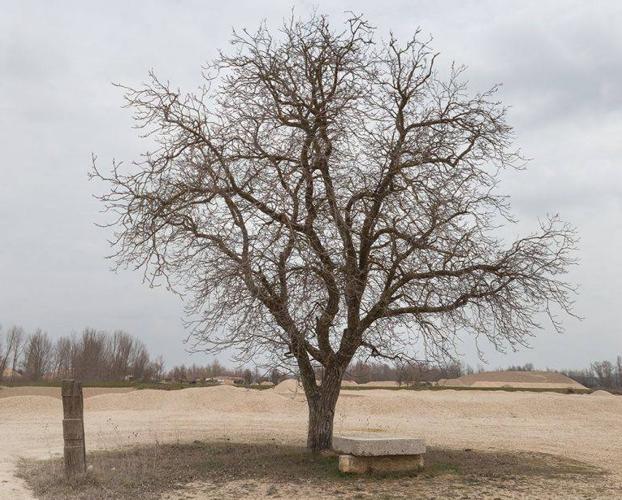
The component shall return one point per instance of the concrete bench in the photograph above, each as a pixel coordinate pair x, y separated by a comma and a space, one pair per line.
369, 454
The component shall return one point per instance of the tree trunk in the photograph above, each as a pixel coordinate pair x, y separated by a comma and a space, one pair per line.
322, 403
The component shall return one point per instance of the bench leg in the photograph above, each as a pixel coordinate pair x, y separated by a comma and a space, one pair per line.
352, 464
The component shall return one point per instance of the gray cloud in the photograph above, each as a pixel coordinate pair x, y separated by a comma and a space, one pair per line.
561, 65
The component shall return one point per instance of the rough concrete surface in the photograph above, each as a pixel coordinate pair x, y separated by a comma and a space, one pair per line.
375, 446
351, 464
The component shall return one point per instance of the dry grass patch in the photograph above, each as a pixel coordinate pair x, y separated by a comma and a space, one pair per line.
235, 470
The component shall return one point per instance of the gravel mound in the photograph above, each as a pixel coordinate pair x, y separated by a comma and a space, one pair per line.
514, 379
54, 392
17, 405
288, 387
381, 383
602, 393
223, 399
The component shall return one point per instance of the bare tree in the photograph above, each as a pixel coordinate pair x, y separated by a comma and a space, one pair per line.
63, 356
13, 349
4, 356
139, 361
158, 368
38, 355
605, 373
121, 351
275, 376
325, 193
401, 371
91, 356
248, 377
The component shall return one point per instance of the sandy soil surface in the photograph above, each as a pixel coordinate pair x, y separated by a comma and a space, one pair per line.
581, 427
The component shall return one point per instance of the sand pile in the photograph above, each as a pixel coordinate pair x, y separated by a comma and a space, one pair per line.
416, 406
54, 392
292, 386
381, 383
96, 391
147, 399
222, 399
8, 373
514, 379
602, 393
29, 404
289, 387
455, 382
9, 392
227, 399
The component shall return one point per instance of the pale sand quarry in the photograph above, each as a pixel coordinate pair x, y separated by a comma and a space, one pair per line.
582, 427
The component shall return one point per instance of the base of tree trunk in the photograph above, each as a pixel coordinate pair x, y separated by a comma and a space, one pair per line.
321, 416
320, 432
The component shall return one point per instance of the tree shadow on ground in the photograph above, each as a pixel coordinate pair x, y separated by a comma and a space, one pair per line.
221, 469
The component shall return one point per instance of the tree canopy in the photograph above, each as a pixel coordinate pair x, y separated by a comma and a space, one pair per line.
325, 193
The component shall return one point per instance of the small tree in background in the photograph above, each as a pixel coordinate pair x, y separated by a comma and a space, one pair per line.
4, 356
248, 377
275, 376
605, 373
13, 350
325, 194
38, 355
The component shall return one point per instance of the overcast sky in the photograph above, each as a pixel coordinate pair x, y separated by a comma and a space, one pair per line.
561, 68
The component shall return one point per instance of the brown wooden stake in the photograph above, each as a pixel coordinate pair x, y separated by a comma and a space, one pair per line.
73, 428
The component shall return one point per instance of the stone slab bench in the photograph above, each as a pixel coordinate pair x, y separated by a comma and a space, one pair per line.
369, 454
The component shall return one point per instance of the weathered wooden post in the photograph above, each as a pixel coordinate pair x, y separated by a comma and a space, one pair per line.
73, 428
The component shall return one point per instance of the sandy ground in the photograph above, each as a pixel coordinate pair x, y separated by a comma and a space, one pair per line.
582, 427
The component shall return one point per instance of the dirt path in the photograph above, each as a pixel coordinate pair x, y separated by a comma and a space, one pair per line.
582, 427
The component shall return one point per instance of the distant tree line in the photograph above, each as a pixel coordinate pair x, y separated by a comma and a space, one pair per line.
404, 373
600, 375
215, 370
89, 356
98, 356
209, 371
359, 372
